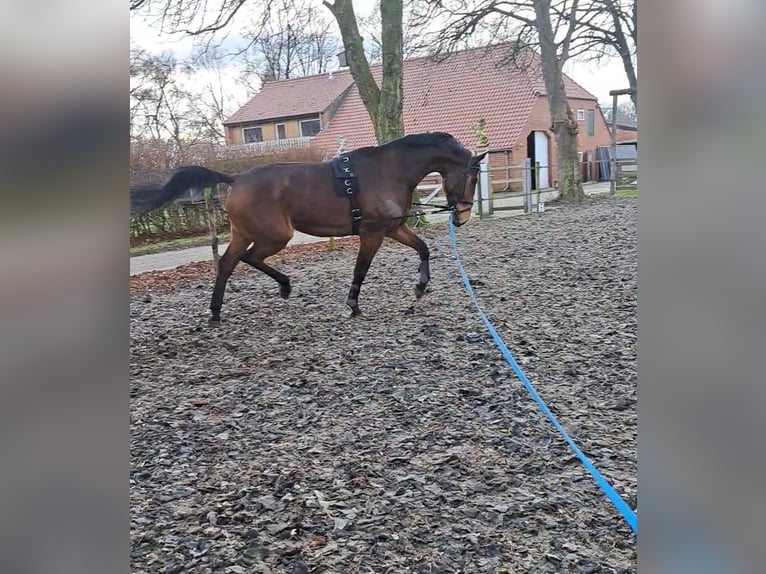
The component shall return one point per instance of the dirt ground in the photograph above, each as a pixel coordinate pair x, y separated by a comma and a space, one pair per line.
294, 438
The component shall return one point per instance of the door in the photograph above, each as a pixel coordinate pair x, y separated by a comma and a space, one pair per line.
541, 156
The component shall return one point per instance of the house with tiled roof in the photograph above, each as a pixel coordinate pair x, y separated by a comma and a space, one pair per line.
449, 94
289, 109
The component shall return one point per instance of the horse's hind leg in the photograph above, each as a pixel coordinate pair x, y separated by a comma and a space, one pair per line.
260, 251
368, 247
406, 236
226, 264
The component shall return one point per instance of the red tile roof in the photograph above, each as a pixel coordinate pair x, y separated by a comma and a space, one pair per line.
293, 97
447, 95
450, 95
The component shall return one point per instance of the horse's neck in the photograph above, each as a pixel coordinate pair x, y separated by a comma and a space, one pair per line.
422, 164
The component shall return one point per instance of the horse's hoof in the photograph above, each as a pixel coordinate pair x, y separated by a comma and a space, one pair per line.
285, 290
355, 311
214, 322
420, 290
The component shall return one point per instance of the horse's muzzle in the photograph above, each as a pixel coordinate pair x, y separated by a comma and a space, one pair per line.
456, 217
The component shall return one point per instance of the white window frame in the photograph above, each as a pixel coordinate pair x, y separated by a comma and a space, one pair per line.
580, 115
244, 139
276, 131
309, 120
580, 156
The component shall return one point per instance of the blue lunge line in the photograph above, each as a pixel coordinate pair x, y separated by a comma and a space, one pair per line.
620, 504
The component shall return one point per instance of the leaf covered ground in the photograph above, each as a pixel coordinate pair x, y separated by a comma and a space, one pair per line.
294, 438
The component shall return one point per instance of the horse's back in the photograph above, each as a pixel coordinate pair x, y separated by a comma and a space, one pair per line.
282, 184
285, 174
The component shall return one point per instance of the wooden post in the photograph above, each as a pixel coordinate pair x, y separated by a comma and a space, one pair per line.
211, 222
527, 169
537, 180
613, 162
486, 176
478, 196
484, 186
575, 167
483, 189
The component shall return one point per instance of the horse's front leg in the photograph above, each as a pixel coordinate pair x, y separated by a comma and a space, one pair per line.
368, 247
406, 236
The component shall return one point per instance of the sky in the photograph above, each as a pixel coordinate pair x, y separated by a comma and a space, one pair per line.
598, 79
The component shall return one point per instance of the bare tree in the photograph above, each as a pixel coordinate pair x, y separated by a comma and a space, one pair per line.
320, 43
523, 24
197, 18
160, 103
625, 110
384, 103
137, 87
296, 41
608, 28
211, 99
412, 39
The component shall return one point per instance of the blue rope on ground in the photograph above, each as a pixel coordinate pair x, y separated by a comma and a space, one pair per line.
616, 499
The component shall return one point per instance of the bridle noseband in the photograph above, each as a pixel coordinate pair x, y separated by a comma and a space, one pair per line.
452, 205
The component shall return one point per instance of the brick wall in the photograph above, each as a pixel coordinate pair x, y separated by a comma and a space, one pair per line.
623, 134
540, 120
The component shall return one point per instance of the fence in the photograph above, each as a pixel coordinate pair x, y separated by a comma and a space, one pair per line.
505, 187
501, 187
272, 146
625, 173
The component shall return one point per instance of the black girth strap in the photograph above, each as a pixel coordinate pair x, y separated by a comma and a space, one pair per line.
347, 184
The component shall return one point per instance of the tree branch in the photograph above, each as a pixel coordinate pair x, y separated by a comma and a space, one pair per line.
570, 31
343, 10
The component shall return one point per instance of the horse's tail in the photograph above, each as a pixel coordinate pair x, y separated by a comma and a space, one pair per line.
146, 197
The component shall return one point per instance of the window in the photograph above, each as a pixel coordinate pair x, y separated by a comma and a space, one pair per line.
591, 122
579, 156
580, 115
252, 135
281, 132
310, 128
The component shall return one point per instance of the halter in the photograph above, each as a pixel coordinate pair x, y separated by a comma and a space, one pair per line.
452, 205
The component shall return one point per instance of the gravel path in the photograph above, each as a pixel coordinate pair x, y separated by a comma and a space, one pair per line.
296, 439
172, 259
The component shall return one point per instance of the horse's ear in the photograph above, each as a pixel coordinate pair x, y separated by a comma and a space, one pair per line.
477, 158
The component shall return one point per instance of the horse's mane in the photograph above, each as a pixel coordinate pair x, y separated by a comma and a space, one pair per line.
428, 139
443, 140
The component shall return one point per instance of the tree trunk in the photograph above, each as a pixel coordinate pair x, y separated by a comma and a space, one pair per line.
563, 123
383, 105
390, 124
621, 43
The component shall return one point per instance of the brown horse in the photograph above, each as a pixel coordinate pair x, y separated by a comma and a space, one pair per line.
266, 204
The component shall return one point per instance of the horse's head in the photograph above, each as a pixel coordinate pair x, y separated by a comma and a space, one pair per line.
460, 176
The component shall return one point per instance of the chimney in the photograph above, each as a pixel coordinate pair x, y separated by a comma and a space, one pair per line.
342, 60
